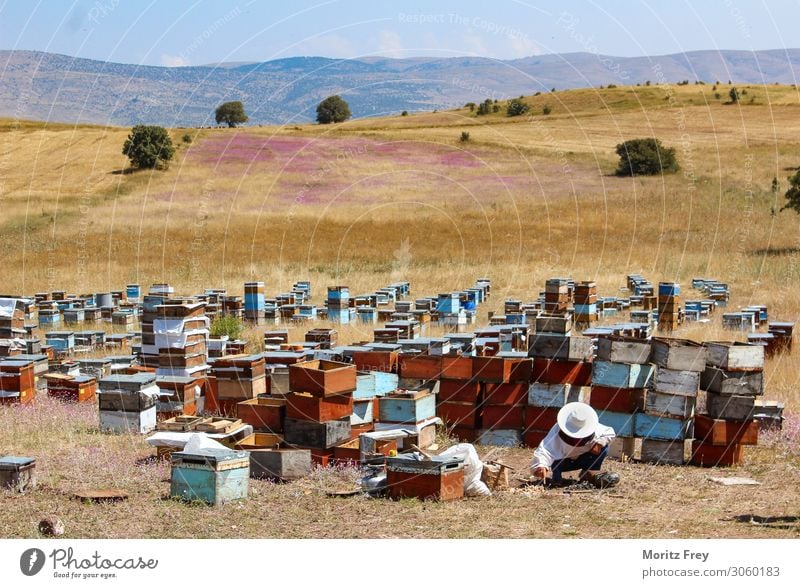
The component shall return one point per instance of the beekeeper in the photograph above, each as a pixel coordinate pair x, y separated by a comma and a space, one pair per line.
577, 442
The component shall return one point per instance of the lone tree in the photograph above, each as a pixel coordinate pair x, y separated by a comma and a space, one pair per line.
516, 107
332, 110
645, 157
231, 113
148, 147
793, 194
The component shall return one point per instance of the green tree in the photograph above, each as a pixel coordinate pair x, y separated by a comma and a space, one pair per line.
225, 324
734, 95
148, 147
332, 110
464, 136
516, 107
471, 106
645, 157
231, 114
793, 193
546, 109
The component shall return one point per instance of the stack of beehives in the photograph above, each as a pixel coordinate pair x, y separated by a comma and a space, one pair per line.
254, 302
12, 318
669, 306
238, 378
157, 295
733, 379
128, 403
338, 306
585, 303
181, 337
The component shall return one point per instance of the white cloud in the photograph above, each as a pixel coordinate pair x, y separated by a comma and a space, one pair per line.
390, 44
173, 60
522, 46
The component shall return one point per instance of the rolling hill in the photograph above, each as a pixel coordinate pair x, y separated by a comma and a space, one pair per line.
44, 86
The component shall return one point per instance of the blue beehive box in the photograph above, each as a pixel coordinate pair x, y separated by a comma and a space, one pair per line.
448, 303
213, 476
621, 375
622, 423
61, 341
133, 292
407, 408
669, 289
661, 428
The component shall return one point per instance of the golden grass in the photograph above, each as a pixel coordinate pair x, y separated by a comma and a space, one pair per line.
525, 199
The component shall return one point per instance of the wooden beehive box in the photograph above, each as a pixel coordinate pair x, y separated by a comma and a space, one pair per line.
213, 476
435, 479
322, 377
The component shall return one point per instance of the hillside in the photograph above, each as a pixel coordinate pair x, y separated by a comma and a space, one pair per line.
44, 86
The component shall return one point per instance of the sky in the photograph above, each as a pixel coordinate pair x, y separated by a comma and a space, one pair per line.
199, 32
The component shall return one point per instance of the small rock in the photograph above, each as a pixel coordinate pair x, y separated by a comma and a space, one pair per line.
51, 527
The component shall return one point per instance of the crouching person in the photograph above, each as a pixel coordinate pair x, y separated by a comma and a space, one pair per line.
577, 442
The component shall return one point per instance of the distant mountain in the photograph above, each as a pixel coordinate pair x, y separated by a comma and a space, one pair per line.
47, 86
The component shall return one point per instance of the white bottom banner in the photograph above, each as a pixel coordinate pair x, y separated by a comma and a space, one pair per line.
390, 563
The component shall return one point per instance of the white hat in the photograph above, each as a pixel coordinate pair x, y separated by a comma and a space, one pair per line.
577, 420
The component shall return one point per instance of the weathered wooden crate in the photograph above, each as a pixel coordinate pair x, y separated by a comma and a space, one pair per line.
682, 382
413, 407
669, 405
511, 394
459, 414
263, 413
623, 349
555, 371
664, 452
211, 476
624, 400
548, 395
736, 408
678, 354
707, 455
622, 423
118, 421
322, 377
456, 367
565, 347
17, 473
554, 323
280, 464
503, 417
621, 375
436, 479
376, 361
740, 383
496, 370
318, 435
735, 356
625, 448
540, 419
363, 412
303, 406
725, 432
461, 390
180, 423
661, 427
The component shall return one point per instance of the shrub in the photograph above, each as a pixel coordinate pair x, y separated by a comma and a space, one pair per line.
225, 324
231, 114
148, 147
404, 113
187, 138
546, 109
485, 107
332, 110
464, 136
645, 157
516, 107
734, 95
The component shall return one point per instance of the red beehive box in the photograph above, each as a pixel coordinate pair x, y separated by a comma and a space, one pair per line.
427, 480
625, 400
557, 371
421, 367
456, 367
491, 369
375, 361
705, 454
511, 394
723, 432
71, 389
264, 414
540, 419
503, 417
533, 438
459, 390
307, 407
459, 414
321, 377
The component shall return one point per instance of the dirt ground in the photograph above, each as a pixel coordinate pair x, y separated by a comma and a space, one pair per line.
650, 502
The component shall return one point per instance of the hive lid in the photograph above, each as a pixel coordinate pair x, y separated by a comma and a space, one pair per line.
13, 462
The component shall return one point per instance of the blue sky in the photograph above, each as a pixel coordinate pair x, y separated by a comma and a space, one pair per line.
195, 32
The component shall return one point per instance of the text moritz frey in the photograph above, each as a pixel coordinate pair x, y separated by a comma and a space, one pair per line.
686, 554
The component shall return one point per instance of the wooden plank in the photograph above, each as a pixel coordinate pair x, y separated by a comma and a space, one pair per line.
682, 382
678, 354
740, 383
737, 408
735, 356
623, 349
669, 405
621, 375
725, 432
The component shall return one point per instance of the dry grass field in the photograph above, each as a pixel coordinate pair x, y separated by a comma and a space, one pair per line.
376, 200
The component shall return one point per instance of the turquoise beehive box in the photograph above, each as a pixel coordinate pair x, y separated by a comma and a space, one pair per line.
213, 476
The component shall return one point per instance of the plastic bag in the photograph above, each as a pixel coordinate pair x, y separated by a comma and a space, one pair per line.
473, 467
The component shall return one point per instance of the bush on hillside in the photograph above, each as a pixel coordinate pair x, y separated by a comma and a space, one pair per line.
645, 157
148, 147
333, 110
516, 107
